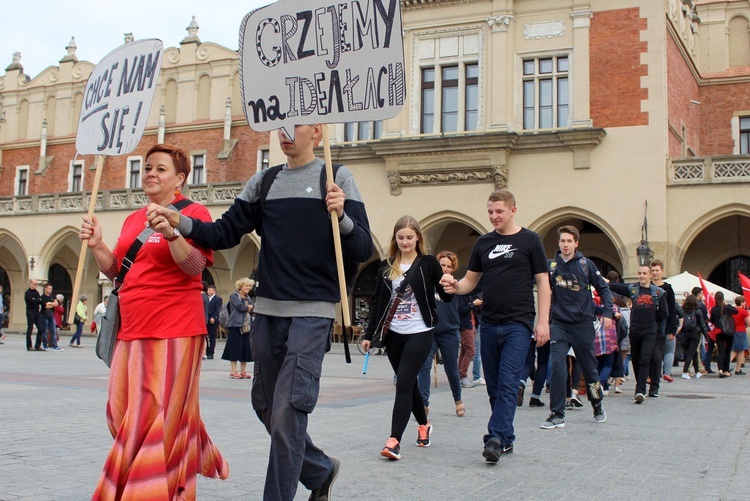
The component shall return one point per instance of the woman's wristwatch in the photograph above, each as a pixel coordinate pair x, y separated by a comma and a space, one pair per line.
174, 236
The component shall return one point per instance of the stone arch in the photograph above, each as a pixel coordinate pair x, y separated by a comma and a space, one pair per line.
22, 131
615, 253
705, 262
14, 261
170, 101
454, 231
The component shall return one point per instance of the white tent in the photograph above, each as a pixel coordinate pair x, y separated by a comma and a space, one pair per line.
684, 283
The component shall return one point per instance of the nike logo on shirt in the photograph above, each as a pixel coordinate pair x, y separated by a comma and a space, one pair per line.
501, 250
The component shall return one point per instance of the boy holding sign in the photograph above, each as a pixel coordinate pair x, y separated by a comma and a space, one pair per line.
296, 296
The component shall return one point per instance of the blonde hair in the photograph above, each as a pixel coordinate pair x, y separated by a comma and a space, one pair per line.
394, 253
244, 281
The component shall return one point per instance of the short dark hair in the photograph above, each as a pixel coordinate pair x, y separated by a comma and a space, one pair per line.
696, 290
568, 229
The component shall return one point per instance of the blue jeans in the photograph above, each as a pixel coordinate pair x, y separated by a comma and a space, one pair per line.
288, 356
604, 367
51, 337
77, 336
504, 347
448, 342
476, 370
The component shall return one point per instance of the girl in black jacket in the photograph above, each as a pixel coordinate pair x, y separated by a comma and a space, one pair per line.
691, 333
410, 335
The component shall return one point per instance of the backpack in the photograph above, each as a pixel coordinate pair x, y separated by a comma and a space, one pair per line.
689, 322
224, 316
350, 265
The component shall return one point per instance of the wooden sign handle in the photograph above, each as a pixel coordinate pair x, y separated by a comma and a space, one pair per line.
336, 235
84, 243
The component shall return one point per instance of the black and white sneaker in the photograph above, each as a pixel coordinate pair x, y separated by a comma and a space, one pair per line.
323, 493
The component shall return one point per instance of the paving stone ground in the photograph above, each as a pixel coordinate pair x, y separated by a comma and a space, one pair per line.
690, 443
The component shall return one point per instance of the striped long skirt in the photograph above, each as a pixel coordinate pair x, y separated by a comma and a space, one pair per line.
153, 413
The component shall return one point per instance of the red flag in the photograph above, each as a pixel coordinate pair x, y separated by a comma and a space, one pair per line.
708, 298
745, 282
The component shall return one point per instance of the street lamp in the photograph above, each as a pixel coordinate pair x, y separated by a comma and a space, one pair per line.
643, 252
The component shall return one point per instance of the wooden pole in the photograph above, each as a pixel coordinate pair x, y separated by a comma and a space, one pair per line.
84, 243
336, 235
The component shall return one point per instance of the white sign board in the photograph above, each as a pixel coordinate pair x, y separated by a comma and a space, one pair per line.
117, 99
321, 61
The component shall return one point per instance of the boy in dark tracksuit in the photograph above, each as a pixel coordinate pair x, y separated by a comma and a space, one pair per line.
572, 324
644, 318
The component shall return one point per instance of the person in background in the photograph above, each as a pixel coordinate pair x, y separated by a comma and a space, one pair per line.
34, 318
2, 316
99, 312
215, 304
724, 338
59, 312
411, 329
237, 348
48, 313
739, 345
693, 326
664, 346
82, 315
447, 339
476, 364
649, 308
153, 411
467, 330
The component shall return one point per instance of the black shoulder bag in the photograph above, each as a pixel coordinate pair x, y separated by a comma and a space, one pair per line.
379, 340
105, 342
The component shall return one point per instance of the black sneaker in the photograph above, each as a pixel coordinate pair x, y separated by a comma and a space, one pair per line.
576, 401
653, 394
535, 402
323, 493
519, 401
638, 398
492, 450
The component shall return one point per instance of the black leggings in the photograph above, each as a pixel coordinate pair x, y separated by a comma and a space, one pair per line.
691, 354
724, 349
407, 353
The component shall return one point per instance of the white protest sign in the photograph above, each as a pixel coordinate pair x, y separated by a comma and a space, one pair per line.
321, 61
118, 98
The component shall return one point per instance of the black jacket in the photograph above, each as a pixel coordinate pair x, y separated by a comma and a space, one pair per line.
424, 282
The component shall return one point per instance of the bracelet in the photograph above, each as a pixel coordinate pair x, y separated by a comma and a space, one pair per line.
172, 238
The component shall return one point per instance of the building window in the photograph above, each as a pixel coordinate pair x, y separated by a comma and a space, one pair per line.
744, 135
263, 159
428, 101
472, 97
458, 86
76, 176
199, 169
545, 93
363, 131
134, 172
22, 181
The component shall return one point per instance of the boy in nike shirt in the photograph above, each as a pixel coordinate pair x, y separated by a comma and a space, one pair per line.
512, 261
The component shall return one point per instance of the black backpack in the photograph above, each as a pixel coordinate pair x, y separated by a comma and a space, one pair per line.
689, 322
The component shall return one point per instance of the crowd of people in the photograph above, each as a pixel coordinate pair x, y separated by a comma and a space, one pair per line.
515, 315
